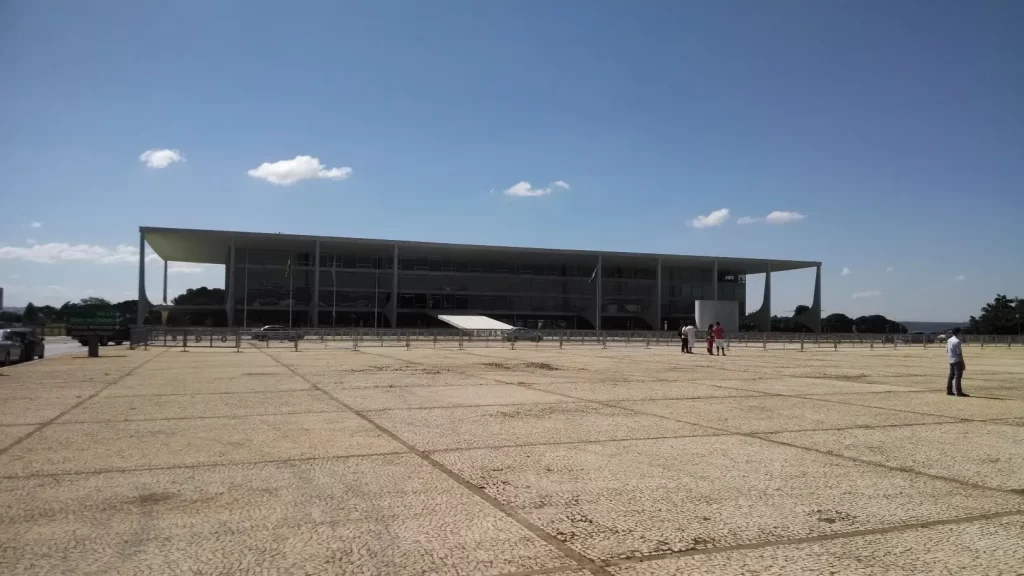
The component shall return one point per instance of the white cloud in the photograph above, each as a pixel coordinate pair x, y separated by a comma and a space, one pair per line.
36, 225
160, 158
63, 252
184, 268
890, 269
288, 172
773, 217
961, 278
845, 272
868, 294
525, 190
783, 217
30, 241
14, 276
716, 218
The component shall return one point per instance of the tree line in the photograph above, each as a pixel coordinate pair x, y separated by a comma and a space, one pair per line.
1001, 316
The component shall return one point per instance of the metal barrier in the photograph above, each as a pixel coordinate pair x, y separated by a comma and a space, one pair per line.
356, 338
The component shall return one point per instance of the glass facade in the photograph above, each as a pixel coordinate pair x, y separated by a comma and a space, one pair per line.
537, 289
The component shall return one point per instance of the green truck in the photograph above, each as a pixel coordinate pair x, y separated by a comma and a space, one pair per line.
104, 323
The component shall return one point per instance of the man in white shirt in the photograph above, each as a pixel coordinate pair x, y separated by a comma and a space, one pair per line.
955, 355
691, 336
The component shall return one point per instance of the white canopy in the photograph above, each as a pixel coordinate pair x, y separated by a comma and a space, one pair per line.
465, 322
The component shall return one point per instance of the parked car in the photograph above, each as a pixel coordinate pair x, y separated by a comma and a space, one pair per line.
273, 332
32, 345
11, 348
517, 334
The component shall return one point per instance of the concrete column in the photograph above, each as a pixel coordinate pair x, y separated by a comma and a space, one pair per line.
143, 307
598, 294
394, 290
714, 281
229, 293
314, 305
165, 281
657, 307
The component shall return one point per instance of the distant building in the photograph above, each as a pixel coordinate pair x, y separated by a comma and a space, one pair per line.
320, 281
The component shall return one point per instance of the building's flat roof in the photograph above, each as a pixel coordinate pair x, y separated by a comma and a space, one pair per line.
211, 246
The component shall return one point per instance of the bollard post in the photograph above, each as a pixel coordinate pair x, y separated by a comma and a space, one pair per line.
184, 341
764, 342
211, 339
238, 340
872, 343
647, 343
407, 345
559, 341
604, 341
801, 343
512, 343
355, 341
835, 344
460, 340
295, 337
435, 338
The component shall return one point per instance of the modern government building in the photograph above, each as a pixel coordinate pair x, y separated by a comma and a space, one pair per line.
322, 281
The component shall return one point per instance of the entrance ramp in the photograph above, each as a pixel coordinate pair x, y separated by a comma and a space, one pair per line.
469, 322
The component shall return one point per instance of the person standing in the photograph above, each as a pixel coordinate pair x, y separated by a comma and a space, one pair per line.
684, 338
720, 341
691, 335
711, 339
955, 355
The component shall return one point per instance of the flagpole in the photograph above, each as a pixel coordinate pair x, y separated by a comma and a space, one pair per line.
376, 282
245, 304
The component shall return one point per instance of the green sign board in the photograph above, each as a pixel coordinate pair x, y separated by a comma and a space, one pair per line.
95, 322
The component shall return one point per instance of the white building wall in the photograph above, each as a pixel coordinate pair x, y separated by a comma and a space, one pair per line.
725, 311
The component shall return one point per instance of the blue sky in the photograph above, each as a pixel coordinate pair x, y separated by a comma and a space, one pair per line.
895, 129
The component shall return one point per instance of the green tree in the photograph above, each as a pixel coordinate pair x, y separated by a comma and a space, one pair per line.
1001, 316
30, 315
94, 300
838, 323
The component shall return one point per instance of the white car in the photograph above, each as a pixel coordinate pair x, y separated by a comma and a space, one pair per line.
11, 348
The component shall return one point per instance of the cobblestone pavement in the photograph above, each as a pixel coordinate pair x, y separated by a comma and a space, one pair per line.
492, 461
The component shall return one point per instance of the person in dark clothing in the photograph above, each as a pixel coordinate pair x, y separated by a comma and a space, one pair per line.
711, 339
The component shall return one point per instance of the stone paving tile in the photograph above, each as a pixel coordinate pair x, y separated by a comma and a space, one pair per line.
155, 381
1007, 393
640, 390
398, 378
977, 452
334, 360
629, 499
801, 386
385, 515
939, 403
10, 434
34, 410
775, 413
34, 389
983, 547
440, 396
118, 408
93, 447
440, 428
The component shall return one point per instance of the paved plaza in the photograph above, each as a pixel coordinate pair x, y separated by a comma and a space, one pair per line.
492, 461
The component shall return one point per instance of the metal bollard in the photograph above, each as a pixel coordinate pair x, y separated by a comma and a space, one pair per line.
764, 342
647, 343
835, 345
559, 341
407, 345
460, 340
435, 338
184, 341
513, 343
604, 341
238, 341
295, 337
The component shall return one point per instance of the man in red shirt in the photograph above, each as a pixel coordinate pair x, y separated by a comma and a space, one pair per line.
719, 334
